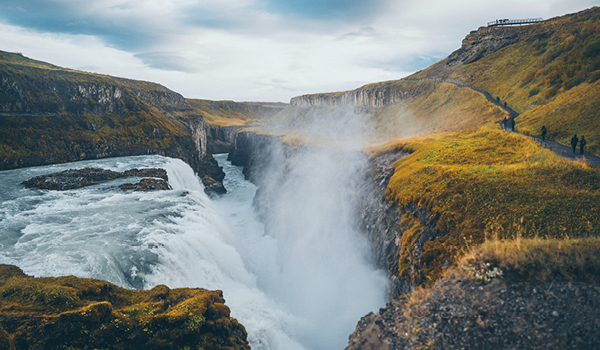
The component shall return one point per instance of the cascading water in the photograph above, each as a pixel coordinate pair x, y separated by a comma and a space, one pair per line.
297, 289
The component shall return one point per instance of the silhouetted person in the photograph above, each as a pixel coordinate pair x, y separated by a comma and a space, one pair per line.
582, 143
504, 121
574, 141
512, 124
544, 132
504, 104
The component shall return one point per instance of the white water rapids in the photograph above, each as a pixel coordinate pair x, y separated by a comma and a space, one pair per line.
298, 289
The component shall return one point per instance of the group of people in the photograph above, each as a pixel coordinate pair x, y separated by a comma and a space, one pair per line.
582, 143
574, 140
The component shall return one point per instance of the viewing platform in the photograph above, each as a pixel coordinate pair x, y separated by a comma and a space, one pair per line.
513, 22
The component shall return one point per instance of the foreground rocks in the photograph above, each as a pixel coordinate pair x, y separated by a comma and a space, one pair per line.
154, 179
502, 314
80, 313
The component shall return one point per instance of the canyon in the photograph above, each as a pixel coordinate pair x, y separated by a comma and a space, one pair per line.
435, 183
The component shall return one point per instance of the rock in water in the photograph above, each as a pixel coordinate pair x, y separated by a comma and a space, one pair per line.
76, 178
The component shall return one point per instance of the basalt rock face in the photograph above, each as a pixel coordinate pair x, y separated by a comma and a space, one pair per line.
220, 138
484, 42
368, 96
253, 151
80, 93
384, 224
50, 114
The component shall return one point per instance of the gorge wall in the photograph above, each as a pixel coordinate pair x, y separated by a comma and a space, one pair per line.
50, 114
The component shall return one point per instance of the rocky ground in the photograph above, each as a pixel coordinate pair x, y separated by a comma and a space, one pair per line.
153, 179
460, 313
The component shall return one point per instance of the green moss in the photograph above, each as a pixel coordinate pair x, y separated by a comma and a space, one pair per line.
71, 312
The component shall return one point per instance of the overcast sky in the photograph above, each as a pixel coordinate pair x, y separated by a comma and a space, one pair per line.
254, 50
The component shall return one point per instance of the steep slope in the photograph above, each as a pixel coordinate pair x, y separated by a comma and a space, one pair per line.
51, 114
548, 72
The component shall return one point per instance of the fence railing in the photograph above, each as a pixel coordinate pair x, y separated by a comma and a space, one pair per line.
512, 22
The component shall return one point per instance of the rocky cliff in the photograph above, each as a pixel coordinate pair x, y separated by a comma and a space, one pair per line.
373, 95
50, 114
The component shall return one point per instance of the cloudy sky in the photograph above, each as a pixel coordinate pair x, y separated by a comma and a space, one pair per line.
254, 50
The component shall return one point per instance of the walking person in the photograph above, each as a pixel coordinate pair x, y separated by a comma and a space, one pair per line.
574, 141
582, 143
504, 121
544, 132
512, 124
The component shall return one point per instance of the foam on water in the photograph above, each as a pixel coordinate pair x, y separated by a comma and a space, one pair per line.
182, 239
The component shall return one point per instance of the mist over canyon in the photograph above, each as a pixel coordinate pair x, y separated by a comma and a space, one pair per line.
401, 213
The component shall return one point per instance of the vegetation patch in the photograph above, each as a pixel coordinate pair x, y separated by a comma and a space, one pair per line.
488, 183
79, 313
535, 259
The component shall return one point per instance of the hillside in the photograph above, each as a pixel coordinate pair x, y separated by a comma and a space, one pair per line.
547, 72
50, 114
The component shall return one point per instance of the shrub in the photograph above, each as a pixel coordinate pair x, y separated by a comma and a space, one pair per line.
534, 92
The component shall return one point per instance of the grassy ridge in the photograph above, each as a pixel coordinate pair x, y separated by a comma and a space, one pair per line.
229, 113
535, 259
550, 76
440, 107
487, 182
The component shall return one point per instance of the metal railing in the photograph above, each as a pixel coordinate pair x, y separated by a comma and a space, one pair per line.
512, 22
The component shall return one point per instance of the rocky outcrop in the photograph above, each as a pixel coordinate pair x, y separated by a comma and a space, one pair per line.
81, 313
385, 225
484, 42
460, 313
76, 178
254, 152
220, 138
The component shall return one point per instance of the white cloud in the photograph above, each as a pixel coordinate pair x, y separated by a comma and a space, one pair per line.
242, 50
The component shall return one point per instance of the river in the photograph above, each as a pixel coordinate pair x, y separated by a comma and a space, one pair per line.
182, 238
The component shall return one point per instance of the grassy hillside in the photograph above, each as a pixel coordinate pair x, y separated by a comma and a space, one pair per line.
439, 107
229, 113
64, 115
487, 183
550, 76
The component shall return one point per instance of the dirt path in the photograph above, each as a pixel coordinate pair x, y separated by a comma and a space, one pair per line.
555, 147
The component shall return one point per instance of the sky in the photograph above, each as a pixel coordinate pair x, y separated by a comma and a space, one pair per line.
254, 50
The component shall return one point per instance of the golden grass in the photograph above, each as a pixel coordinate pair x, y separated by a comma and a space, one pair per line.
538, 259
483, 180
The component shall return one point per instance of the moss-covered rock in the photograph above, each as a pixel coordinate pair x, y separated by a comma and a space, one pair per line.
80, 313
